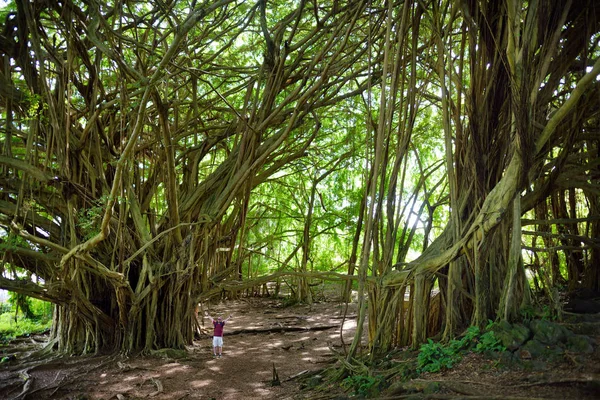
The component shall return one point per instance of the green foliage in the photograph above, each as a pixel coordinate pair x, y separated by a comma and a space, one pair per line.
544, 312
22, 315
38, 309
5, 307
489, 342
435, 356
89, 219
365, 386
7, 7
35, 101
11, 328
484, 341
466, 341
22, 303
12, 242
548, 313
41, 309
527, 313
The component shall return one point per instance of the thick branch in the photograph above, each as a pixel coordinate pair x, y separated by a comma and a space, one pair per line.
31, 289
26, 167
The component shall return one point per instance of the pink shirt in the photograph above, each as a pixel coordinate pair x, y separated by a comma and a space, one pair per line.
218, 328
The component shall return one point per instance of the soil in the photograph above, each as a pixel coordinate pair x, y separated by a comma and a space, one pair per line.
298, 341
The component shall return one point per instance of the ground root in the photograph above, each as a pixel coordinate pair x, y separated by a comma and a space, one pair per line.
480, 389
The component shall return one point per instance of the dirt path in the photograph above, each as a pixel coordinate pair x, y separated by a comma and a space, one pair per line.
246, 369
255, 339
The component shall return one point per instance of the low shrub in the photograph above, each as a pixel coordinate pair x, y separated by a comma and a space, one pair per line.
489, 342
365, 386
435, 356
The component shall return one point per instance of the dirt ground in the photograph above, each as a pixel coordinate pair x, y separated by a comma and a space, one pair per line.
255, 341
262, 334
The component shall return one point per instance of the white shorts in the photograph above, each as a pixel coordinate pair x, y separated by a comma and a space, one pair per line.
217, 341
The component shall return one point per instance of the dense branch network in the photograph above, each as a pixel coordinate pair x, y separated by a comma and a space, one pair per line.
156, 155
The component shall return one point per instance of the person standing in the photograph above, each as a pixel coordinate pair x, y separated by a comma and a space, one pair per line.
218, 324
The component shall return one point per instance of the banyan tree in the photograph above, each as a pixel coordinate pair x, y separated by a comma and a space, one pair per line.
516, 89
453, 143
135, 132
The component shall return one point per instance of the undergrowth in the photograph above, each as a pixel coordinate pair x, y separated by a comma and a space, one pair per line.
364, 386
11, 329
432, 357
436, 356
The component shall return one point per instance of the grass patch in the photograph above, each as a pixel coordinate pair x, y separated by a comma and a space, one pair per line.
10, 329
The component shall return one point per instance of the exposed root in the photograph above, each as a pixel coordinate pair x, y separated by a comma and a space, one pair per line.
274, 329
551, 382
159, 386
298, 375
27, 386
451, 397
